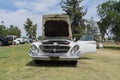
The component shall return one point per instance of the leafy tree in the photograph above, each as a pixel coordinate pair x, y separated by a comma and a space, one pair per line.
14, 30
39, 37
92, 27
3, 29
30, 29
109, 13
76, 13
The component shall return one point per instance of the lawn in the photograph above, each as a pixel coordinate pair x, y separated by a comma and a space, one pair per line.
15, 64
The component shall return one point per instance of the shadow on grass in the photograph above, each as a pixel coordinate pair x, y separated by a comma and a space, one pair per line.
6, 45
112, 47
84, 58
51, 64
55, 63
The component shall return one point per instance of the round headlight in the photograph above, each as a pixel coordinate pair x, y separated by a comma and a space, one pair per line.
75, 49
34, 49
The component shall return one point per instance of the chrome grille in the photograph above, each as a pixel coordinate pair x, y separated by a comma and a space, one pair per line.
55, 47
59, 42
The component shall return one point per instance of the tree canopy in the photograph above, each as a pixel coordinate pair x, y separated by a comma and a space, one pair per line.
76, 13
92, 27
3, 30
30, 29
12, 30
109, 13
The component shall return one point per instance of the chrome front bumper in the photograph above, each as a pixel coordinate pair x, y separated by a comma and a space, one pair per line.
55, 57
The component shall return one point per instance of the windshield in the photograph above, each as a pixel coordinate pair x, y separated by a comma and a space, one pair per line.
87, 38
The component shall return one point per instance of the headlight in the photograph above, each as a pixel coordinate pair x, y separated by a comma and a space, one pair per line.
75, 49
34, 49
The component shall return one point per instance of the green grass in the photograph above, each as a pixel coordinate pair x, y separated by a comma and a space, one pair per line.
15, 64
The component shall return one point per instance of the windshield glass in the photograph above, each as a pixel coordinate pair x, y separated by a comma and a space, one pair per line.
87, 38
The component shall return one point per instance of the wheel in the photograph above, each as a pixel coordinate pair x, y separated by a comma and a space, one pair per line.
74, 63
36, 61
1, 43
19, 41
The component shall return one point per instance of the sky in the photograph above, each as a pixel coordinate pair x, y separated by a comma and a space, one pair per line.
16, 12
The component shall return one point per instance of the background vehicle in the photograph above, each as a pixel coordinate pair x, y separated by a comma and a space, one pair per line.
16, 42
21, 40
6, 40
3, 41
27, 40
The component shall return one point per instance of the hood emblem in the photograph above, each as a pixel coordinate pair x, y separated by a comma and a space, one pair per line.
55, 43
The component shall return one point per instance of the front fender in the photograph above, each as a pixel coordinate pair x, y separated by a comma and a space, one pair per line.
37, 44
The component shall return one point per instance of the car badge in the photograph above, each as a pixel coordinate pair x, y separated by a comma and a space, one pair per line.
55, 43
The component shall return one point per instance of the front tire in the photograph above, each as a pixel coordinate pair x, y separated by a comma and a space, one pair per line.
74, 63
37, 61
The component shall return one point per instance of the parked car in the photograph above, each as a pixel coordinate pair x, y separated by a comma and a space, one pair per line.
3, 41
57, 43
27, 40
6, 40
21, 40
16, 42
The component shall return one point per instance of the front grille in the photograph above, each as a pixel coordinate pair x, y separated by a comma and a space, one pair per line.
59, 42
59, 47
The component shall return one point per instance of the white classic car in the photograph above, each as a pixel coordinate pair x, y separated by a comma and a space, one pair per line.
57, 43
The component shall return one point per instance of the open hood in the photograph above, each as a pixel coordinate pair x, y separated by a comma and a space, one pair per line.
56, 26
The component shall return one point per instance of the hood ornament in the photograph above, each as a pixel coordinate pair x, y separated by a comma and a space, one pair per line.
55, 43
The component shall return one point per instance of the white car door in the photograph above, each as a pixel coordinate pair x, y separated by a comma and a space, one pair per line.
87, 44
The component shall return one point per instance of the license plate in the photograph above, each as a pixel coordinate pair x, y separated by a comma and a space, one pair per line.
54, 58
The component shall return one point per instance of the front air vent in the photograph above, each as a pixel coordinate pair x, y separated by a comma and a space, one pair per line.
58, 42
55, 46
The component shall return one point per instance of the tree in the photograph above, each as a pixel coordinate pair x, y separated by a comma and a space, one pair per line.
92, 27
76, 13
39, 37
3, 29
14, 30
30, 29
109, 13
